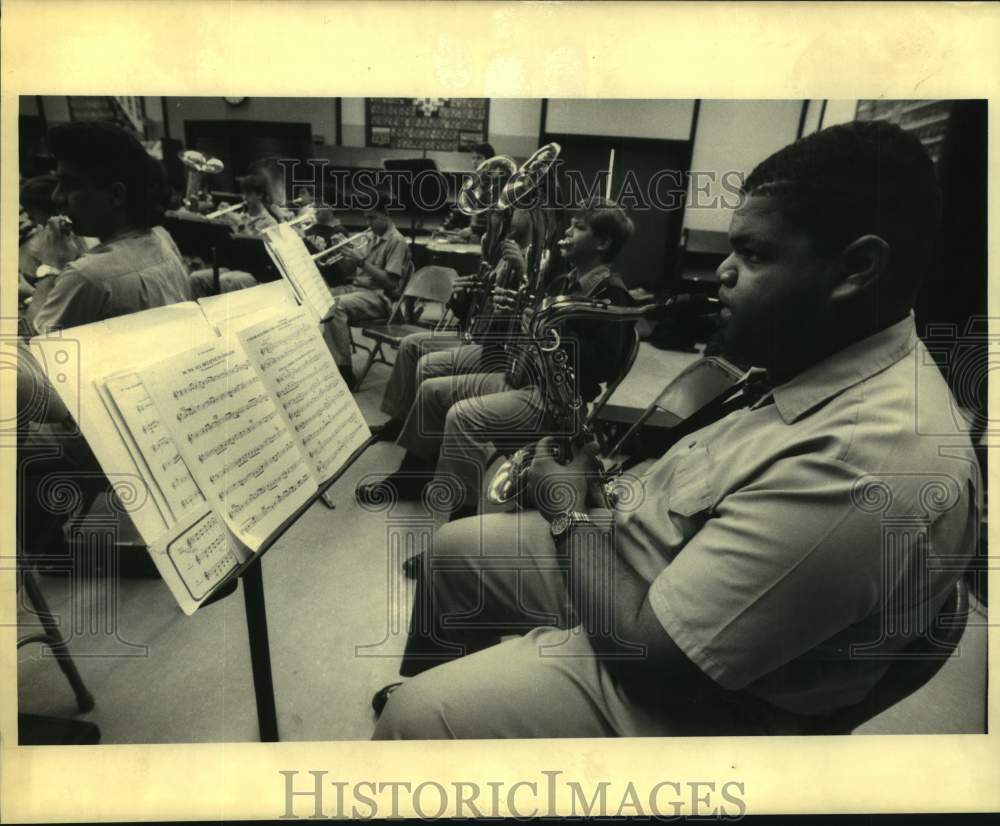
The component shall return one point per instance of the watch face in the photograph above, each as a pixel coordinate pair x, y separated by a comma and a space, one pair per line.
559, 524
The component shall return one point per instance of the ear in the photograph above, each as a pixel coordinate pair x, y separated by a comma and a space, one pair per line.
119, 194
862, 265
603, 244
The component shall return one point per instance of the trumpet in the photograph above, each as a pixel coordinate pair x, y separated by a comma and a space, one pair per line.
226, 210
566, 408
367, 235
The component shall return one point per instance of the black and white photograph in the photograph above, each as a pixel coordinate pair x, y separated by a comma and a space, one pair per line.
358, 419
676, 406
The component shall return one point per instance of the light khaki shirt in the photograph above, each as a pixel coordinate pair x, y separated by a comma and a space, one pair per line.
787, 542
138, 271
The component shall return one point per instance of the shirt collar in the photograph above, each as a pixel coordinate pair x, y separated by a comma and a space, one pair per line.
850, 366
590, 281
389, 233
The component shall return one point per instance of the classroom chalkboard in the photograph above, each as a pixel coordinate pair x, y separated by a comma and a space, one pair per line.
927, 119
444, 124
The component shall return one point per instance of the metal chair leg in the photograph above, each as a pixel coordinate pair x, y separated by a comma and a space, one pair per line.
375, 352
55, 641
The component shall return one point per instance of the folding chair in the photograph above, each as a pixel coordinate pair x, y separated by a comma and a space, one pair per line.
691, 390
599, 403
913, 668
430, 284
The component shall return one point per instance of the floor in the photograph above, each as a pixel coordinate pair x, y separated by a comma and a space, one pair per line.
337, 609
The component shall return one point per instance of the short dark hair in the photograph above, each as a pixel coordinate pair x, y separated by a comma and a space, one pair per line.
484, 149
36, 193
109, 154
257, 184
854, 179
380, 202
607, 220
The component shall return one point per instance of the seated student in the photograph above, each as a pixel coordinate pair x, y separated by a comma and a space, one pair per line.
456, 419
47, 247
760, 554
325, 233
106, 189
273, 172
106, 186
537, 227
255, 216
377, 281
249, 222
429, 354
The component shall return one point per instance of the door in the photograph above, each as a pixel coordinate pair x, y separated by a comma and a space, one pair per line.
238, 143
648, 180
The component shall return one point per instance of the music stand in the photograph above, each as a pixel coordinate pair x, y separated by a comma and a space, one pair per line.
196, 236
256, 614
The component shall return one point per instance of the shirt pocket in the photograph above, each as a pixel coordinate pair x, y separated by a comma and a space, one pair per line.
691, 489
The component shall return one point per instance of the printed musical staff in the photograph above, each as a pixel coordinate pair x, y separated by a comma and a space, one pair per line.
231, 431
297, 368
296, 264
201, 553
170, 473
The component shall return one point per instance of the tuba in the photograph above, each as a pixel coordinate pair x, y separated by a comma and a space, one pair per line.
197, 165
566, 408
520, 187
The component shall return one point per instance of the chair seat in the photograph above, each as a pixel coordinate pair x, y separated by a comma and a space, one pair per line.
391, 332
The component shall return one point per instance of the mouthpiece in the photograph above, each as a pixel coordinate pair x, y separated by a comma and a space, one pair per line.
694, 304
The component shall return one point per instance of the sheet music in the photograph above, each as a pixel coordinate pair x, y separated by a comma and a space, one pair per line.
220, 309
233, 437
296, 264
156, 446
195, 556
77, 361
300, 373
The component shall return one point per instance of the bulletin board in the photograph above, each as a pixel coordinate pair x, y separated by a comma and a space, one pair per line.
927, 119
444, 124
128, 112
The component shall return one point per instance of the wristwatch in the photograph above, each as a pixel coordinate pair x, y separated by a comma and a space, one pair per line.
563, 523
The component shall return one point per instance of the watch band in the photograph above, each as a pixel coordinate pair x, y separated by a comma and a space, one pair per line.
564, 523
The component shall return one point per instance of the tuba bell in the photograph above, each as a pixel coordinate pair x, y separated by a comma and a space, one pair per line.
482, 190
198, 165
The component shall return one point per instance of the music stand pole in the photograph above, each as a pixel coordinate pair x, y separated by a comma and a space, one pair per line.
260, 652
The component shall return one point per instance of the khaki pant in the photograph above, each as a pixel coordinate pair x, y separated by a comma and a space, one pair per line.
355, 305
420, 356
501, 574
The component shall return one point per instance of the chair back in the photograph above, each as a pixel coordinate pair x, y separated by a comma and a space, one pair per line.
911, 668
612, 385
691, 390
429, 284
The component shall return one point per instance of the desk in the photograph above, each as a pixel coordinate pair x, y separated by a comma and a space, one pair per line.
463, 258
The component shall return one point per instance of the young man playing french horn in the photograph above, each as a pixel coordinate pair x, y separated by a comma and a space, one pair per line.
732, 597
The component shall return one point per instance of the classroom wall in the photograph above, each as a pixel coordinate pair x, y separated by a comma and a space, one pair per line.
733, 136
839, 111
662, 119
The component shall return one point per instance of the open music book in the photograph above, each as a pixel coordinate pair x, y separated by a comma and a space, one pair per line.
292, 258
229, 431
